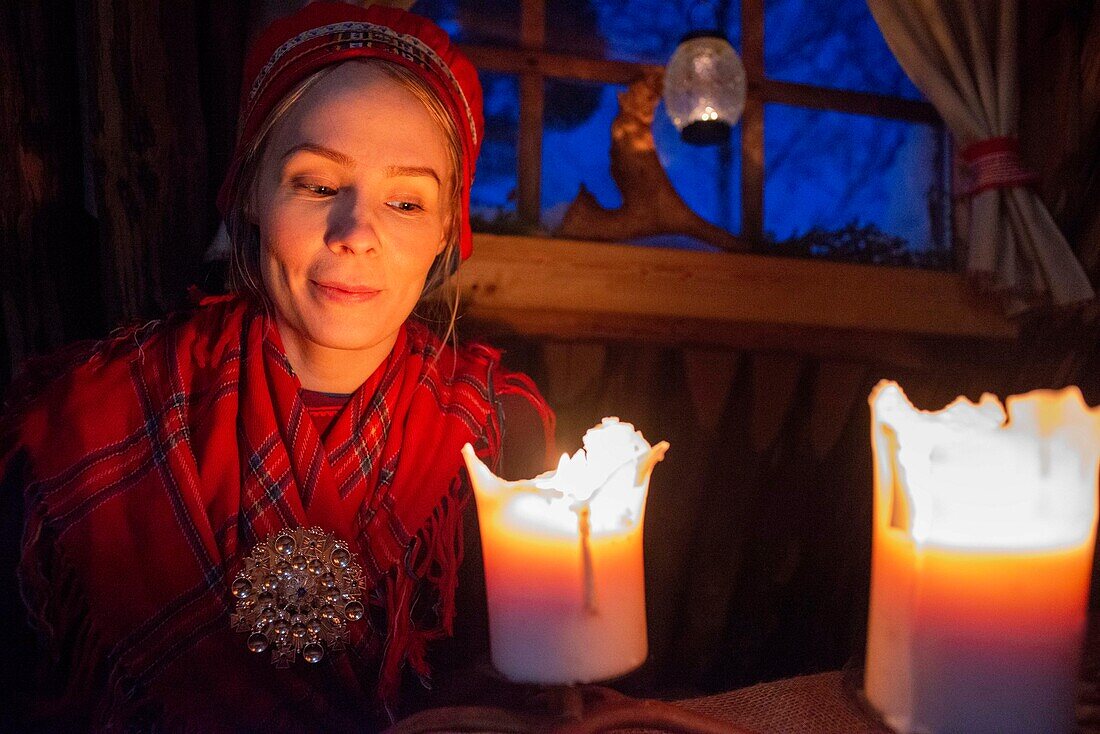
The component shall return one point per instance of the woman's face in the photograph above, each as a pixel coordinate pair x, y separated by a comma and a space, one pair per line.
351, 201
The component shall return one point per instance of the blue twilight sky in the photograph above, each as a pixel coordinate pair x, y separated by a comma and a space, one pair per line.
822, 169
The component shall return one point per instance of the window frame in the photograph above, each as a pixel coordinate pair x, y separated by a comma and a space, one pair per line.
532, 64
908, 317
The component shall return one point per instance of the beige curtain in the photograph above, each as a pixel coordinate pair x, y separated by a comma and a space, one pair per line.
962, 55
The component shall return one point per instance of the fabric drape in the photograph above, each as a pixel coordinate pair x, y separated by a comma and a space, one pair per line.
962, 55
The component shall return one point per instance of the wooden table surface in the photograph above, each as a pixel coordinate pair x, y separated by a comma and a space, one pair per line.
825, 703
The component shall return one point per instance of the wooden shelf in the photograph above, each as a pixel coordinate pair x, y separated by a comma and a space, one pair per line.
574, 290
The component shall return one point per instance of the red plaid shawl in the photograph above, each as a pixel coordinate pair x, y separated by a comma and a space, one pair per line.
154, 466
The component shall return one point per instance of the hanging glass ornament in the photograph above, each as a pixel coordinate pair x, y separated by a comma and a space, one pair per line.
704, 90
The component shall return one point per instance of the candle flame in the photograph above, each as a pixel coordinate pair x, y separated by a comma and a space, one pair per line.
983, 475
609, 475
564, 575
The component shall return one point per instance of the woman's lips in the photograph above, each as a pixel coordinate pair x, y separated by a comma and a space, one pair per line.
344, 292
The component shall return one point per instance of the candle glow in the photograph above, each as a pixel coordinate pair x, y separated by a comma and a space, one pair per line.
984, 526
563, 560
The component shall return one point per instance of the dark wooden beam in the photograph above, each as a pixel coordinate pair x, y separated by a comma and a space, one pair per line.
842, 100
517, 61
752, 122
531, 104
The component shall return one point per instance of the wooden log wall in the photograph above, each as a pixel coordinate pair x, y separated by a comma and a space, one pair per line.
1059, 134
758, 524
49, 275
121, 116
148, 150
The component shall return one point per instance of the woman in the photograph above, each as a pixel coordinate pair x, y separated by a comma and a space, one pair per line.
159, 459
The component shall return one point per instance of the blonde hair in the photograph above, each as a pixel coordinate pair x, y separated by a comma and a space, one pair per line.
438, 303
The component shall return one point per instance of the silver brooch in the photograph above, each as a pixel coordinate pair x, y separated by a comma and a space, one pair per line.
297, 592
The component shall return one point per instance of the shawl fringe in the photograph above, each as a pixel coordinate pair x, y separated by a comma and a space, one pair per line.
431, 567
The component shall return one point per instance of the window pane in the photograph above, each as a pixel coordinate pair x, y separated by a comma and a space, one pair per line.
855, 187
578, 153
493, 197
831, 44
487, 22
634, 30
707, 178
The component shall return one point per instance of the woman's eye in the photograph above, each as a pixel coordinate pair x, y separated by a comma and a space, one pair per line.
405, 206
319, 190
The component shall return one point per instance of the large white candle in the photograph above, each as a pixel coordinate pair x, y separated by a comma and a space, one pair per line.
563, 560
984, 526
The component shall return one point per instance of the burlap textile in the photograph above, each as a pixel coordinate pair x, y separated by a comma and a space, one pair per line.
821, 703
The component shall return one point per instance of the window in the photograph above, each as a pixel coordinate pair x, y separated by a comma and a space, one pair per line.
836, 156
493, 197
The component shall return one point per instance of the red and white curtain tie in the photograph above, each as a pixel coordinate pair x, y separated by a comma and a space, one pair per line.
994, 164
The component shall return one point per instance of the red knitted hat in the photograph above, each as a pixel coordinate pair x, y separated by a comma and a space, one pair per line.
324, 33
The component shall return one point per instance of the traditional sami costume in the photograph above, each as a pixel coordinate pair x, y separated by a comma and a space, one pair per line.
157, 459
